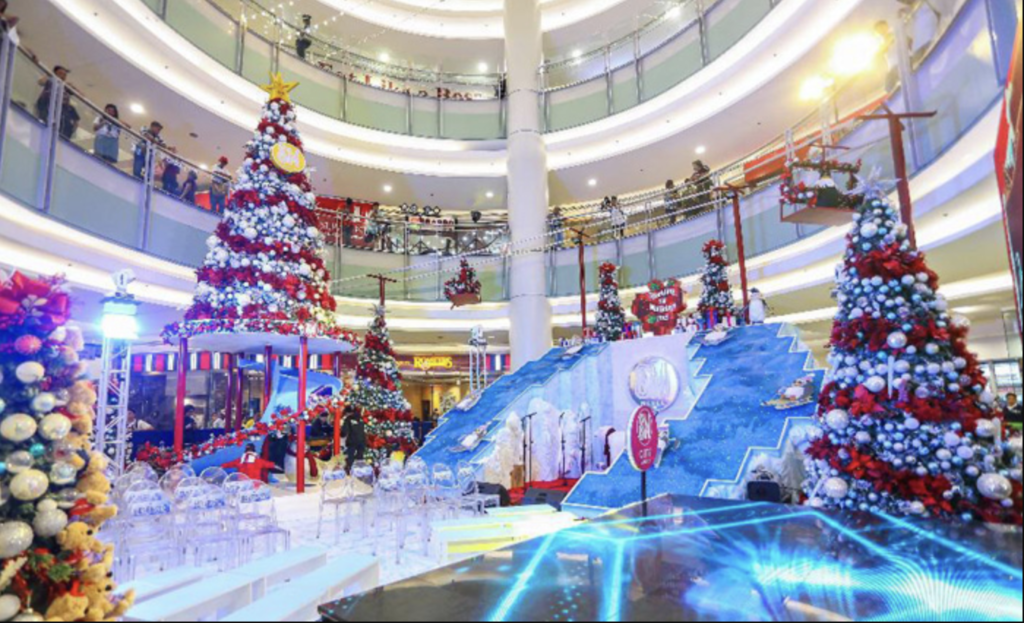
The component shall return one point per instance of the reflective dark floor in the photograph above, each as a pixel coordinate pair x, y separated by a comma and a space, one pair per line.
708, 560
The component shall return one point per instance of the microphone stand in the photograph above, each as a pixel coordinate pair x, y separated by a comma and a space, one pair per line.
561, 434
586, 442
528, 448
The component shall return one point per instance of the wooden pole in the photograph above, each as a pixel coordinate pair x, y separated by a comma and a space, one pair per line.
179, 407
737, 217
581, 237
300, 459
899, 156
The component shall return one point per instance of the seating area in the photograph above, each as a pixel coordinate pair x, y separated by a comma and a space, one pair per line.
211, 520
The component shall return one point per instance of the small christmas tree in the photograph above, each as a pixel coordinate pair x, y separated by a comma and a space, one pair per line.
611, 317
264, 272
906, 419
464, 289
378, 393
53, 492
716, 297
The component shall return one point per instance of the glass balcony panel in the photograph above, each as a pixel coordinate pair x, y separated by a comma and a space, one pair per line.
88, 196
209, 29
678, 249
23, 144
575, 70
476, 120
153, 4
177, 232
256, 63
318, 90
580, 105
624, 93
1004, 16
672, 63
376, 109
665, 30
959, 80
425, 118
728, 21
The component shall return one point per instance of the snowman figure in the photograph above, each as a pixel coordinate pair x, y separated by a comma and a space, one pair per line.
758, 307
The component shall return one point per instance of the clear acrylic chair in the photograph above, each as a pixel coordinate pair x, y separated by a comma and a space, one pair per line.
146, 535
257, 520
142, 471
391, 510
202, 517
335, 487
472, 499
416, 501
447, 497
214, 476
174, 476
363, 482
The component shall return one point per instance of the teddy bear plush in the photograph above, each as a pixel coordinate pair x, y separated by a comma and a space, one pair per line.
80, 537
68, 608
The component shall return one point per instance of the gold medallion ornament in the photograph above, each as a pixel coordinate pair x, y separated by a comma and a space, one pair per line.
288, 158
279, 89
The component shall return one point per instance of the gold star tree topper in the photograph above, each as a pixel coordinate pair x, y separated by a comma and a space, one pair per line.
279, 89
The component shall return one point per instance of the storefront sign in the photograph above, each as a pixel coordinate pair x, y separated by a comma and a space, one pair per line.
643, 439
1008, 168
659, 309
288, 158
434, 363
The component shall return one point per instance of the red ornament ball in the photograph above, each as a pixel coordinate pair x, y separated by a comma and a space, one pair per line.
28, 345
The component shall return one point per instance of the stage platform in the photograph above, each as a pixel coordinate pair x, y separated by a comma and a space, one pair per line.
700, 559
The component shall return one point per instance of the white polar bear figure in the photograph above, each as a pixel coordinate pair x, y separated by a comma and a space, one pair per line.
546, 441
508, 452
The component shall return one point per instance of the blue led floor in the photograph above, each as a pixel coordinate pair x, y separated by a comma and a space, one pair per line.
491, 409
707, 560
727, 421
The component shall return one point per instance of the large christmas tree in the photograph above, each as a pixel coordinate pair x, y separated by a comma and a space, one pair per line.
264, 273
378, 394
53, 491
716, 296
907, 423
611, 318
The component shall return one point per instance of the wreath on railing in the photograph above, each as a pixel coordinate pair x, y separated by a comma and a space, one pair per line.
824, 193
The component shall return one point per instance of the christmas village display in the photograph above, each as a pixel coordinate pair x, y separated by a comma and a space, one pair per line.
53, 489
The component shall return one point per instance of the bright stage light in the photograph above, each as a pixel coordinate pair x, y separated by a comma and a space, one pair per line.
815, 88
855, 54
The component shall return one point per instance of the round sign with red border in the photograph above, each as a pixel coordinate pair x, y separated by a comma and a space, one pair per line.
643, 439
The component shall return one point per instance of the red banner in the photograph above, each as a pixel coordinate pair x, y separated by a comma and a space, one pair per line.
1008, 169
659, 309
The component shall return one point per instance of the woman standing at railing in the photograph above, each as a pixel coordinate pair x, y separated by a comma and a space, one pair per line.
672, 201
108, 134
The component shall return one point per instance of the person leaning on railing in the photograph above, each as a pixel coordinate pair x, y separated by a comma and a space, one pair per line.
556, 225
69, 116
673, 201
107, 128
699, 187
150, 136
220, 186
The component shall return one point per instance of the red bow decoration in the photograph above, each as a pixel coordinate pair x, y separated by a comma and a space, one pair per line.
35, 299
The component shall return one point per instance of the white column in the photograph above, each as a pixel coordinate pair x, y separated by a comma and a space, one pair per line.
527, 183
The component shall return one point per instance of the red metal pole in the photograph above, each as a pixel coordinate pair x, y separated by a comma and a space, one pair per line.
741, 248
240, 396
179, 407
300, 460
268, 375
229, 407
902, 179
583, 283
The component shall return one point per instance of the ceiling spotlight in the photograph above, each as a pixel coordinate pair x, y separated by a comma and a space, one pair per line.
138, 109
388, 188
483, 67
592, 183
577, 53
702, 150
490, 195
674, 12
385, 57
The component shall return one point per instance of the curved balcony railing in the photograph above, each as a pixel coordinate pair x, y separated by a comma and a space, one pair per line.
962, 78
346, 84
584, 87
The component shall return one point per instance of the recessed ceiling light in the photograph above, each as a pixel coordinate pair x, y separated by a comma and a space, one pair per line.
204, 167
483, 67
592, 183
388, 188
385, 57
138, 109
702, 150
577, 53
490, 195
